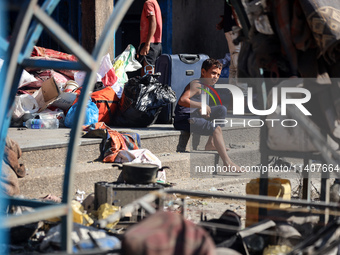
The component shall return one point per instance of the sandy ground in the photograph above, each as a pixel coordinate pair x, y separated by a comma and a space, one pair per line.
196, 207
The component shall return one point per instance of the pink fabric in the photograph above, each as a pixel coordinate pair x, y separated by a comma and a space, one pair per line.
151, 7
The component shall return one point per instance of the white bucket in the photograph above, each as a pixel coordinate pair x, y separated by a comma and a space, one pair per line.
71, 86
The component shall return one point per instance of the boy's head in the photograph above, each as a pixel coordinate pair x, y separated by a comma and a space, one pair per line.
211, 70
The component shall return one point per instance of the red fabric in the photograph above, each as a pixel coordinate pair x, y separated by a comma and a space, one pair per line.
151, 7
167, 233
43, 52
110, 78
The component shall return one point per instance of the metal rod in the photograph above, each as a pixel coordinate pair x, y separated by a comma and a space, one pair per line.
29, 203
256, 198
53, 64
40, 214
100, 48
35, 30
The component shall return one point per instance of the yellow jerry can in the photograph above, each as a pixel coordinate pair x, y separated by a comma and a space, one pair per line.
277, 187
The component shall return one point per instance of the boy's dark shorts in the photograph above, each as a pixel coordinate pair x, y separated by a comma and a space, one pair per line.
199, 125
154, 52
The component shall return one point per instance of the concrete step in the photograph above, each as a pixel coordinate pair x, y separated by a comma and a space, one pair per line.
44, 154
49, 147
42, 180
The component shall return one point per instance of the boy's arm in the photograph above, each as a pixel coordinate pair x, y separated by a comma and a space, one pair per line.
191, 90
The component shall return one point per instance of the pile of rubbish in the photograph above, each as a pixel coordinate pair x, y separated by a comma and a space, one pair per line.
48, 98
165, 230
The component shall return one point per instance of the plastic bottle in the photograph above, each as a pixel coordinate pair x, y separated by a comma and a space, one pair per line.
42, 123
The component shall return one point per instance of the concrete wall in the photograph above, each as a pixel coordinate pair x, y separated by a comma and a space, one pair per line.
194, 28
95, 14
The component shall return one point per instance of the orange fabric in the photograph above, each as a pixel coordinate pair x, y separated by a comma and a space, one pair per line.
98, 97
105, 98
117, 143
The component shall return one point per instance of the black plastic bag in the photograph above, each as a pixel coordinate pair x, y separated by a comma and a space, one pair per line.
142, 101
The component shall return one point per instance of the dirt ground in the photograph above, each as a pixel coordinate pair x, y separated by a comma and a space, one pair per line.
196, 207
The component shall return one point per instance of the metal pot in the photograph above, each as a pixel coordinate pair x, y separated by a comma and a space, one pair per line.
139, 173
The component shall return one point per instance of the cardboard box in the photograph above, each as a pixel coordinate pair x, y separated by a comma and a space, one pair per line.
50, 95
47, 94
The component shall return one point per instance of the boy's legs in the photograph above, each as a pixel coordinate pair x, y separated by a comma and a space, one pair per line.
220, 147
206, 127
217, 112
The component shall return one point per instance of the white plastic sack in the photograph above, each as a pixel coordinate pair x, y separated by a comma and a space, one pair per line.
26, 78
105, 66
145, 156
124, 156
118, 89
137, 156
24, 104
126, 62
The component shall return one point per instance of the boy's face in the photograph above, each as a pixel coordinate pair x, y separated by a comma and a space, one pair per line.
212, 75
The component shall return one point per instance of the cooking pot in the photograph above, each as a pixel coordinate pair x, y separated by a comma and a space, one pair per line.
139, 173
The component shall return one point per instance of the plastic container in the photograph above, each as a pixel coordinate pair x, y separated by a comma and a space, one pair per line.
42, 123
277, 187
71, 86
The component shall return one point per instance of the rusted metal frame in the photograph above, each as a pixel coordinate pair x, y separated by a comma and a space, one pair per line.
255, 198
100, 49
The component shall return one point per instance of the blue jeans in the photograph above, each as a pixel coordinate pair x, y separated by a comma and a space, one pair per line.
195, 123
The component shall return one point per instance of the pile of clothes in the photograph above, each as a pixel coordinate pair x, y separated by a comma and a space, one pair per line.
56, 92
